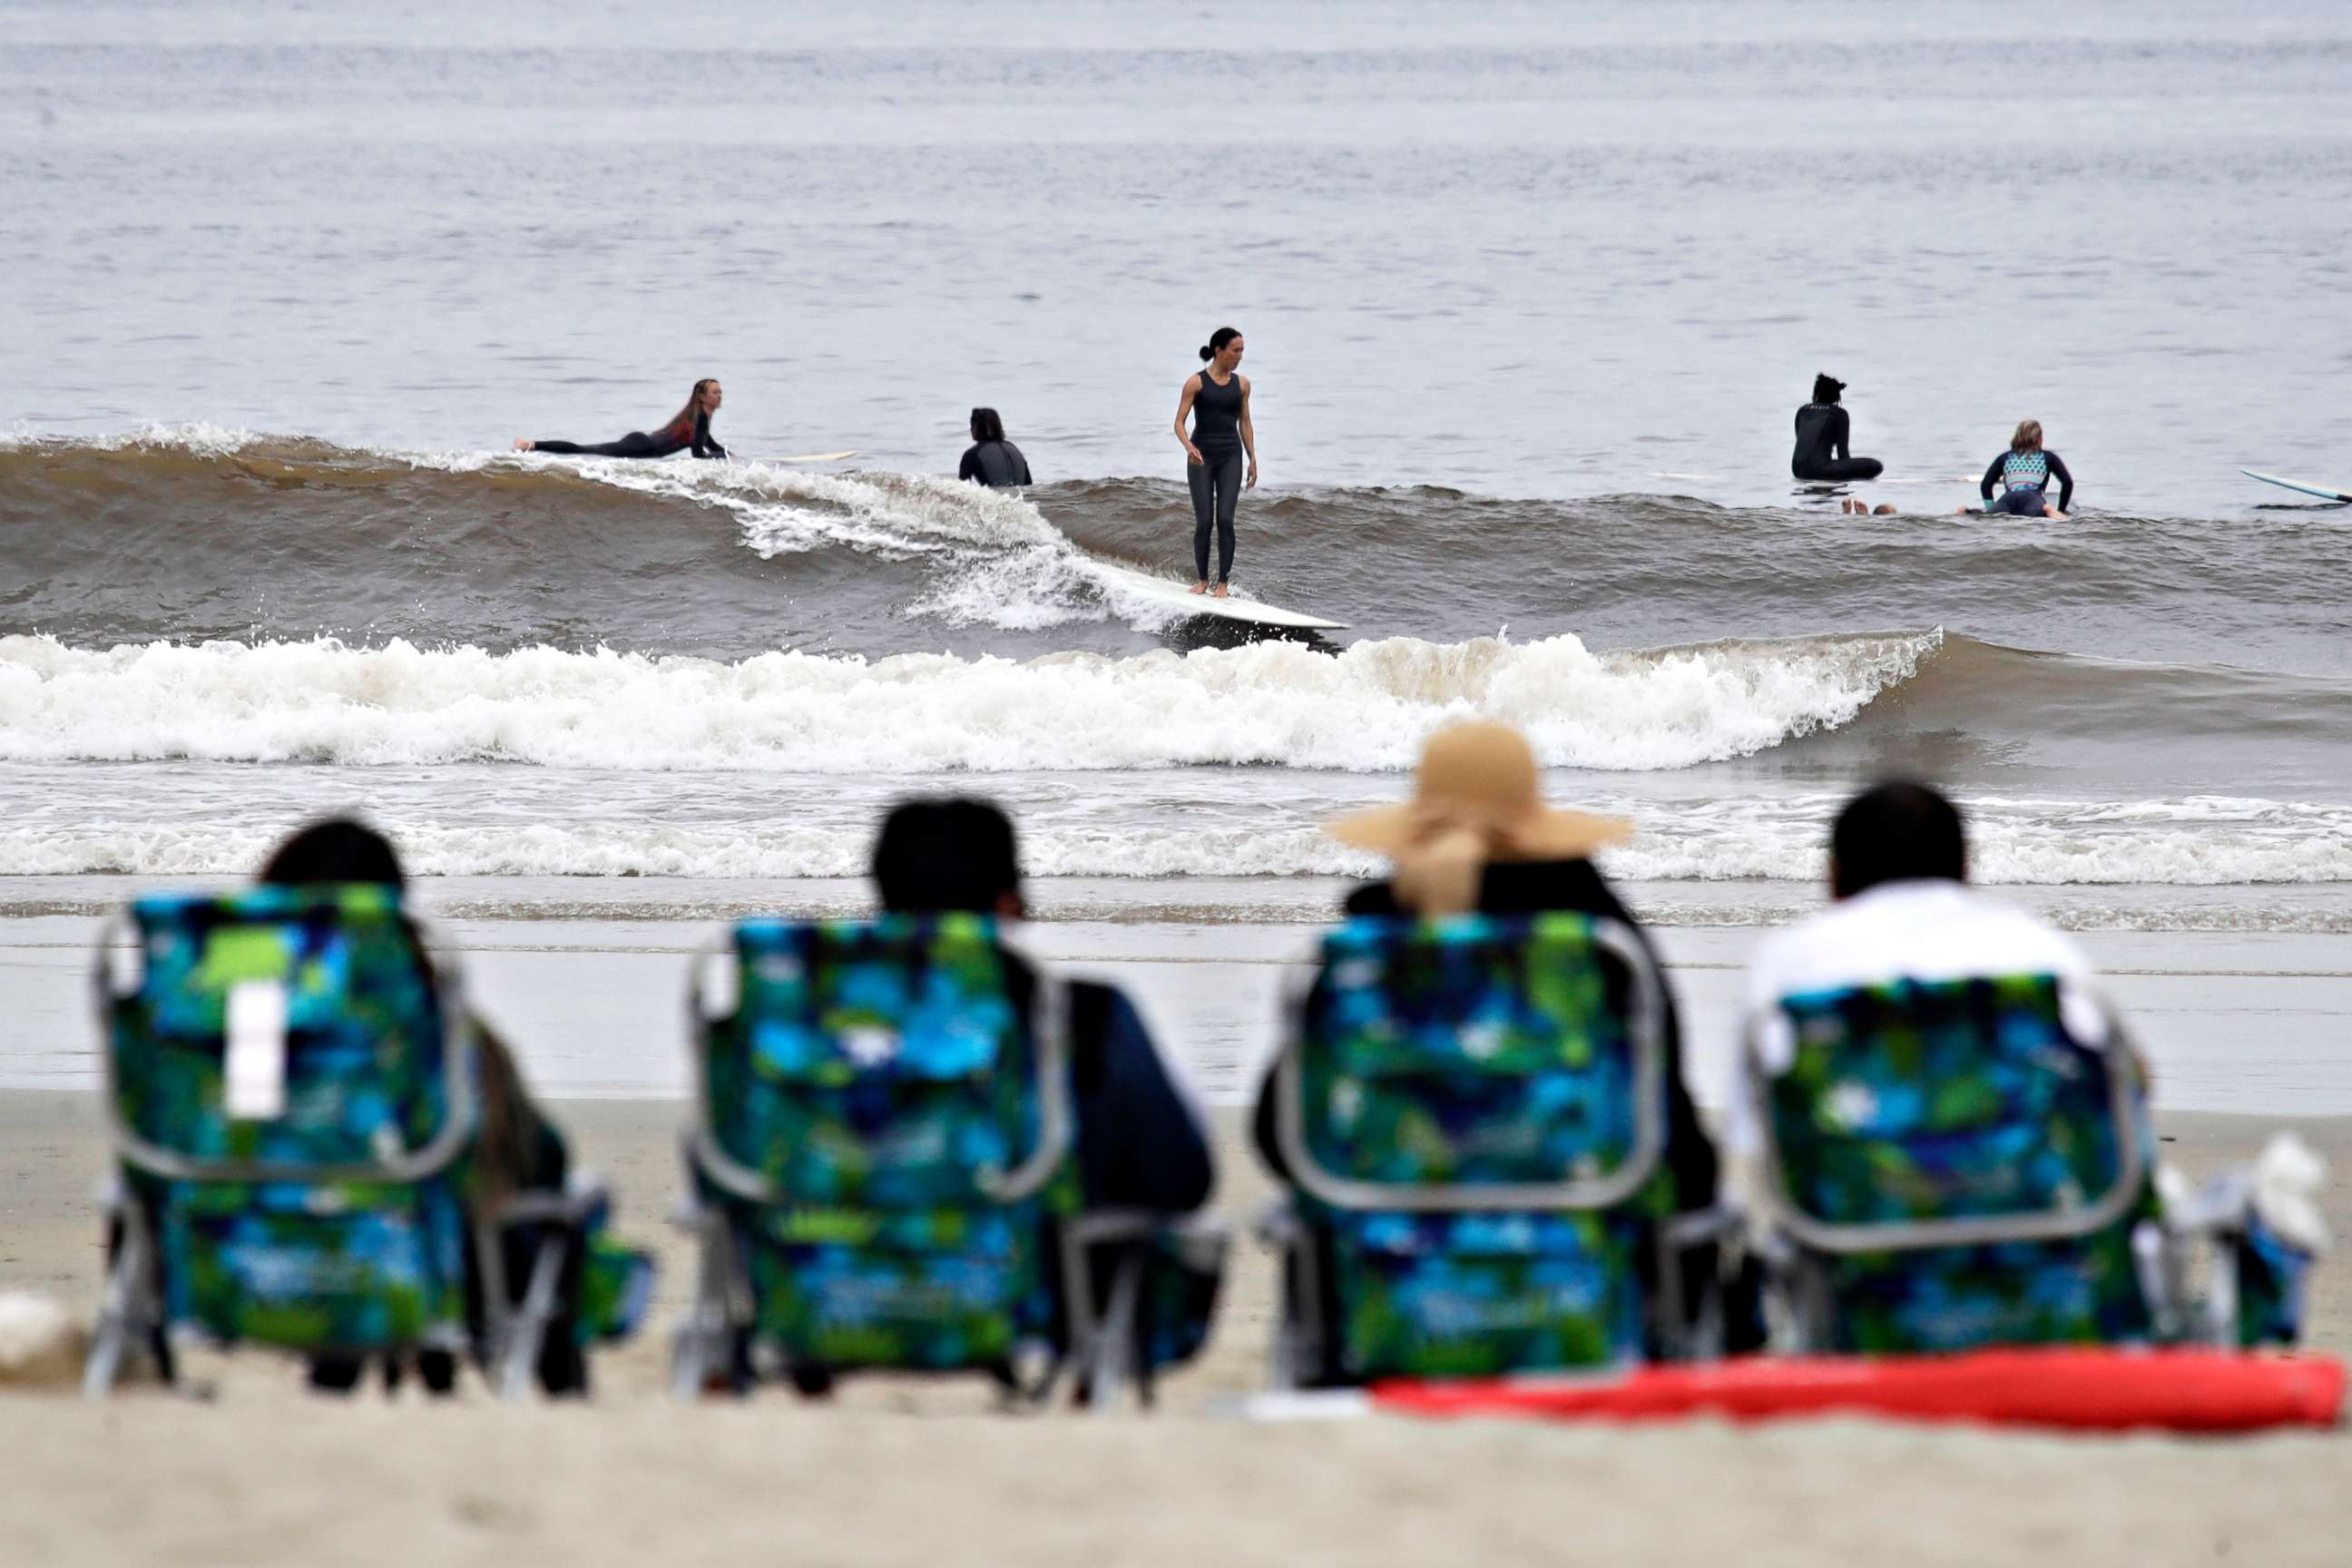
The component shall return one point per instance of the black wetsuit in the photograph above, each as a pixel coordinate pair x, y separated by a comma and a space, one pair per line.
2023, 477
1216, 479
998, 464
1822, 432
638, 443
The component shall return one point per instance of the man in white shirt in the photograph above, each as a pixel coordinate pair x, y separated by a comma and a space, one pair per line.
1903, 910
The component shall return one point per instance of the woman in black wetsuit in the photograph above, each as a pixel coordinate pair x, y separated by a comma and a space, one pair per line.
992, 461
1821, 433
691, 428
1218, 399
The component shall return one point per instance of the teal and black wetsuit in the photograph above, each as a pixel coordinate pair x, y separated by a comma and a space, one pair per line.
674, 437
1823, 429
2023, 477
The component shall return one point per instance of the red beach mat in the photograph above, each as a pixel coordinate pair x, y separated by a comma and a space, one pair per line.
2097, 1390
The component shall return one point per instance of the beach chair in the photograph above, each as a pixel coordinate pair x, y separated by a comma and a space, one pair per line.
291, 1090
882, 1175
1471, 1113
1952, 1164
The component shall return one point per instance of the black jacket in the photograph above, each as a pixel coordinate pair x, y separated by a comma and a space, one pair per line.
1537, 887
1140, 1144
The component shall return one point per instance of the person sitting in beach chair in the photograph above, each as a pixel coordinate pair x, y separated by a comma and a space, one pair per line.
1950, 1129
917, 1151
322, 1151
1495, 1166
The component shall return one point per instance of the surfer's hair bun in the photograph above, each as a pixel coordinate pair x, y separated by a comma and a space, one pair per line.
1205, 353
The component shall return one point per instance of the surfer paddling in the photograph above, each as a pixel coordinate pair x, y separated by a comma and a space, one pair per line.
691, 428
1218, 399
2023, 474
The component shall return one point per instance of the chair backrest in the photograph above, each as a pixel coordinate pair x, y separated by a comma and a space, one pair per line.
282, 1034
1474, 1112
1967, 1171
292, 1103
890, 1116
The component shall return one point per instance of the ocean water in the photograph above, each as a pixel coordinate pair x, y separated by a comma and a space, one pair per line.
1531, 292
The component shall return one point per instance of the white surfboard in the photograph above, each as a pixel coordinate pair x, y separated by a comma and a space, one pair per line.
816, 456
1180, 596
2322, 491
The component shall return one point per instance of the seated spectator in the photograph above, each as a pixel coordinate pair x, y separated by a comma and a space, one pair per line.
517, 1149
1139, 1143
1902, 909
1477, 835
992, 460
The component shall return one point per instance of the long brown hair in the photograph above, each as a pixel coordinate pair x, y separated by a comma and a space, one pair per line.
2028, 438
682, 427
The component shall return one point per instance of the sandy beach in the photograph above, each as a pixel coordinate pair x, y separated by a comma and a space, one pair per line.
916, 1473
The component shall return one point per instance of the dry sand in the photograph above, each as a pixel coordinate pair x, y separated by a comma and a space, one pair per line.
264, 1473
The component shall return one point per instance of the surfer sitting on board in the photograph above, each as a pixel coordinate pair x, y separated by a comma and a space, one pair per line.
992, 460
1822, 431
1218, 399
691, 428
2023, 474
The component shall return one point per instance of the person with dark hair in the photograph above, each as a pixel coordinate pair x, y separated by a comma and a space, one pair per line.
515, 1149
992, 461
2023, 474
1901, 909
691, 428
1218, 400
1823, 431
1139, 1143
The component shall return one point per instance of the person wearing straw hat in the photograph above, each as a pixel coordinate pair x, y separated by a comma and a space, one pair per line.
1476, 835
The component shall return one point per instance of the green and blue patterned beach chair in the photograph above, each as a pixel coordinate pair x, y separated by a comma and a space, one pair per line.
1948, 1165
883, 1172
291, 1090
1965, 1163
1472, 1117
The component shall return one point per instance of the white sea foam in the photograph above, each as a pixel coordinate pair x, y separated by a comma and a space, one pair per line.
1751, 841
1365, 710
1002, 564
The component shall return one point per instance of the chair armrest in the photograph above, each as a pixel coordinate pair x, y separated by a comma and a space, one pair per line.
582, 1196
1700, 1228
1277, 1223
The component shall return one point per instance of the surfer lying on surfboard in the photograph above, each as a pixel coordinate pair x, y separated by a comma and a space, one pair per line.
2023, 473
691, 428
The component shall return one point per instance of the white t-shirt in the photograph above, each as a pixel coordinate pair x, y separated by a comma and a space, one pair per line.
1927, 928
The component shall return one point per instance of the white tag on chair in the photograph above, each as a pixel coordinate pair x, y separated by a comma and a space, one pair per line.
256, 1063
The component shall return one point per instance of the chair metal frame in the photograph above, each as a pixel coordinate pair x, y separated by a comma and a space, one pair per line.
1298, 1338
711, 1341
1792, 1237
132, 1311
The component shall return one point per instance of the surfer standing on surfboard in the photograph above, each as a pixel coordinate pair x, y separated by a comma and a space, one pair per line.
691, 428
1218, 399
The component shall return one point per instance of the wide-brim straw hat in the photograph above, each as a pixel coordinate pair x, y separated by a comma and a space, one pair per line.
1480, 776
